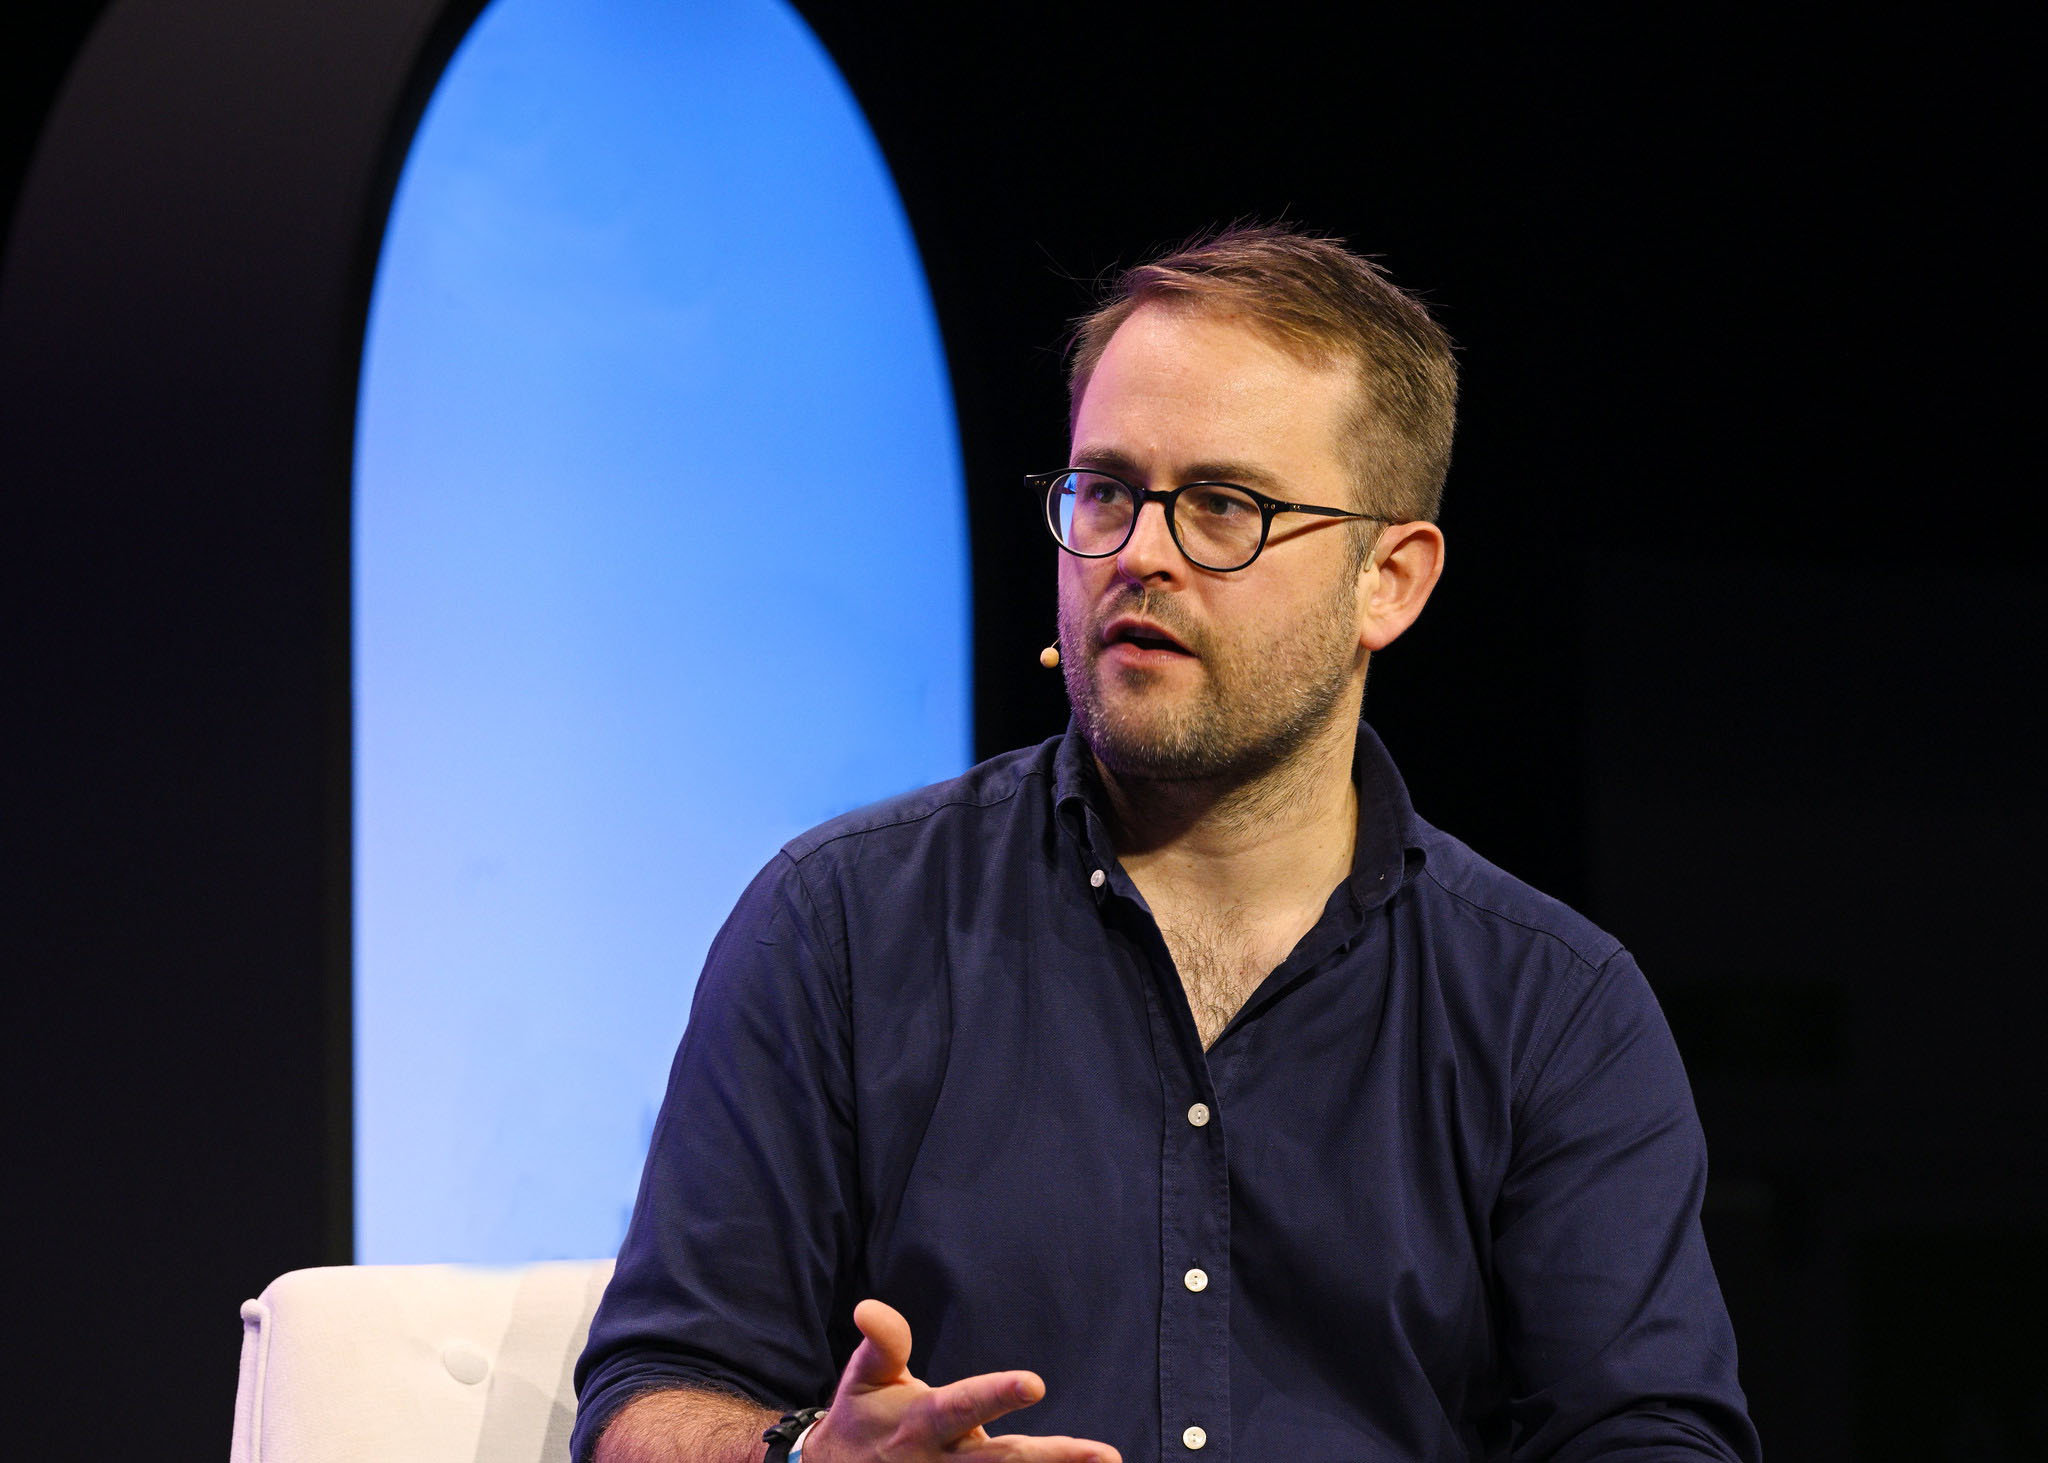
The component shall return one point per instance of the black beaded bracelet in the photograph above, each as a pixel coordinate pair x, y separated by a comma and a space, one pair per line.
782, 1437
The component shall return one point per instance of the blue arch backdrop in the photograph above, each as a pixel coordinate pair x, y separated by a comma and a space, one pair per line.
660, 557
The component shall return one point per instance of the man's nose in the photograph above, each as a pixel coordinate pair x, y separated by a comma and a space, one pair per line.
1150, 550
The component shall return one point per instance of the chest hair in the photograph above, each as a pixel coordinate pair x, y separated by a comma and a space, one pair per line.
1222, 956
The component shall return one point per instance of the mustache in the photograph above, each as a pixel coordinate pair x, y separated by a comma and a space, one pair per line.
1162, 610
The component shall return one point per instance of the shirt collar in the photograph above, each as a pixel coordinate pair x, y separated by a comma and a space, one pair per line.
1388, 832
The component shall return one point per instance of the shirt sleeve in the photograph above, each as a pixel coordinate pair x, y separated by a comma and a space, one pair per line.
734, 1273
1613, 1327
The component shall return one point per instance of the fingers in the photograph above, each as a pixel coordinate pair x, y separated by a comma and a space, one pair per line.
956, 1412
953, 1412
1017, 1448
945, 1419
883, 1358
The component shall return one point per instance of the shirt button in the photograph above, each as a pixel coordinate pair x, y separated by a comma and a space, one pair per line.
1097, 879
1194, 1437
1198, 1115
1196, 1280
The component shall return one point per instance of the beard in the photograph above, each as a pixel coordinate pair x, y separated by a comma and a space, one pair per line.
1254, 709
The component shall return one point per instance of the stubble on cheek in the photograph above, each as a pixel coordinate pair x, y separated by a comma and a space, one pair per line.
1227, 714
1137, 720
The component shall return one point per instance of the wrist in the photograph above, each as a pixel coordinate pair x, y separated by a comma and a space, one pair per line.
787, 1437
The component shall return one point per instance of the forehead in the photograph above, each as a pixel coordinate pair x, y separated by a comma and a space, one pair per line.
1181, 387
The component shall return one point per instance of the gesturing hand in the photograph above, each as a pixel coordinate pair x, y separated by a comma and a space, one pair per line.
882, 1414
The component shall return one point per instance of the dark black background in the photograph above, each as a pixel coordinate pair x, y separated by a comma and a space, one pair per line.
1740, 621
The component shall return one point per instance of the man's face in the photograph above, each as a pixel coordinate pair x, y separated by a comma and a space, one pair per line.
1179, 672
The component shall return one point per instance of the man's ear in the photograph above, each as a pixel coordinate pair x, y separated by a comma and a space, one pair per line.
1394, 583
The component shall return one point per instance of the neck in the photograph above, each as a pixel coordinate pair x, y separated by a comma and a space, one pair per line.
1287, 831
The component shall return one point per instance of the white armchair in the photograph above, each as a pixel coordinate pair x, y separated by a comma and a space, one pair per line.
414, 1363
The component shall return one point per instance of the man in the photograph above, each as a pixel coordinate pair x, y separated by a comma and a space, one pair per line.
1178, 1059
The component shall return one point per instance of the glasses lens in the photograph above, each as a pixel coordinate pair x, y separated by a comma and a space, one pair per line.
1219, 525
1089, 513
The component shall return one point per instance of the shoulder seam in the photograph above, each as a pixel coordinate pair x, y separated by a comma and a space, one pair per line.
798, 859
1542, 1044
1500, 914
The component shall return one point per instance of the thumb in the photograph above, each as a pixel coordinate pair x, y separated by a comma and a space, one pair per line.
883, 1358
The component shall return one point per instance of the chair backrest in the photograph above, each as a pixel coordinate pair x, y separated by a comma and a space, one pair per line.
414, 1363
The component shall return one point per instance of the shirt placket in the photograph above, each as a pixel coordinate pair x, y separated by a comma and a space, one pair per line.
1194, 1196
1195, 1276
1194, 1216
1194, 1260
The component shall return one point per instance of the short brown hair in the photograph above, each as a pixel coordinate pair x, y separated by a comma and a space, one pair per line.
1317, 298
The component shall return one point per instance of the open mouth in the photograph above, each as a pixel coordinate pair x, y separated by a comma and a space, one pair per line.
1144, 637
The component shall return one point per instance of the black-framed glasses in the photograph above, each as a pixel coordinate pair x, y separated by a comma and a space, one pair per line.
1218, 526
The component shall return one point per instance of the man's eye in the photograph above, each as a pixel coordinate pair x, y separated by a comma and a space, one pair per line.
1213, 504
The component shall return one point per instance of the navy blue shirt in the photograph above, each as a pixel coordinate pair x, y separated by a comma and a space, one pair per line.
1432, 1194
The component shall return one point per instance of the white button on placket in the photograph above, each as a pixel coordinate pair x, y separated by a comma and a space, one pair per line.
1198, 1115
1194, 1438
1197, 1280
1097, 879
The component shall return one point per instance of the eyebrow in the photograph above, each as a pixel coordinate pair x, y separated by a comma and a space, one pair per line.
1115, 462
